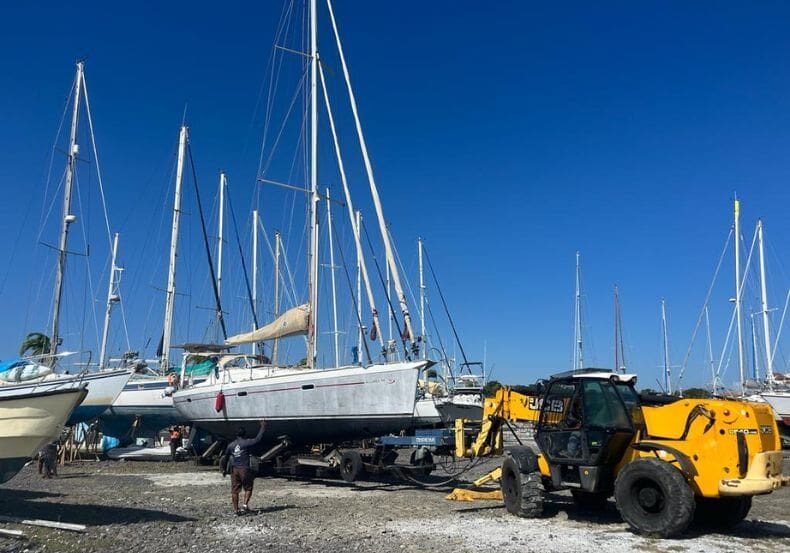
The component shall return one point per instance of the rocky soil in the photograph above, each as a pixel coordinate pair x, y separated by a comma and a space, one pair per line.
167, 507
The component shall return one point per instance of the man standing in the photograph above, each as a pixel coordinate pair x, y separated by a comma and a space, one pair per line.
175, 441
237, 457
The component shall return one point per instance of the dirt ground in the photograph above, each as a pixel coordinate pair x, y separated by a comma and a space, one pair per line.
167, 507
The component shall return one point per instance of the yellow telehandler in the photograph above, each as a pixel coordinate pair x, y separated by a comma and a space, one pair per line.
666, 463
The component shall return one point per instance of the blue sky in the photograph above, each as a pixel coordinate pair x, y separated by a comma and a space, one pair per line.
509, 135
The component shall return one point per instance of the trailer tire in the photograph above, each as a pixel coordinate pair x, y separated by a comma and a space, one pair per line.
654, 498
522, 491
722, 513
351, 467
425, 462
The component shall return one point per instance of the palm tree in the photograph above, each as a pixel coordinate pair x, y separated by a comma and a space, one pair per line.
35, 344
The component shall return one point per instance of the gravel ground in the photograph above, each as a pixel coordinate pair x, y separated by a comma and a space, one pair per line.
166, 507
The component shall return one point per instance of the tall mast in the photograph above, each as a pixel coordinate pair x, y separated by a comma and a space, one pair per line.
619, 350
67, 217
313, 256
738, 290
361, 334
578, 354
254, 270
714, 384
755, 364
223, 183
356, 221
277, 239
667, 369
409, 333
422, 301
171, 270
112, 297
332, 274
769, 368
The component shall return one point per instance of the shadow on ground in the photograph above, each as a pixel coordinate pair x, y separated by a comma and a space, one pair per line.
24, 504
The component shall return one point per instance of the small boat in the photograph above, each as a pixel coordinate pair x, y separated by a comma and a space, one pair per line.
31, 419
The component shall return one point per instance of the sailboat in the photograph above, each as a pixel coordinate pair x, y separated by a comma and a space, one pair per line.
307, 404
30, 420
103, 386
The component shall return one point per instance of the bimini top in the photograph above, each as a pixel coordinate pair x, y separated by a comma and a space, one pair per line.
598, 374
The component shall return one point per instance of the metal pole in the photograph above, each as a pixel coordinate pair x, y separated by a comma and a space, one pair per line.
171, 271
312, 349
112, 297
222, 184
578, 355
276, 344
769, 366
738, 291
359, 287
332, 274
67, 217
422, 301
254, 270
667, 369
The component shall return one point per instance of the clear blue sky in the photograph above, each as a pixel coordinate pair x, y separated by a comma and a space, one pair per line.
508, 134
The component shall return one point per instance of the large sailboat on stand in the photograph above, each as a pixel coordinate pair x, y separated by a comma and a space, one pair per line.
34, 375
303, 402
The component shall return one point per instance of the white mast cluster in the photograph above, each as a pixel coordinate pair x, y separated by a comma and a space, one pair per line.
578, 353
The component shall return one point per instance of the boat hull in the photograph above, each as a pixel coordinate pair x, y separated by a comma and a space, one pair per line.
310, 406
103, 388
30, 420
780, 403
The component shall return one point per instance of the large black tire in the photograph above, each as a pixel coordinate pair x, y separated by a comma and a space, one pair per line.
351, 466
654, 498
590, 500
722, 513
523, 492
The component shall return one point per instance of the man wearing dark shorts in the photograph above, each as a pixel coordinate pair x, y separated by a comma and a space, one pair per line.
238, 462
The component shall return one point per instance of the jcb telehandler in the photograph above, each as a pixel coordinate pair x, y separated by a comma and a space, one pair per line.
665, 464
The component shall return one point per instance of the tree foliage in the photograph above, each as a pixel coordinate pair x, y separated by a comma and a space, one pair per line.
35, 344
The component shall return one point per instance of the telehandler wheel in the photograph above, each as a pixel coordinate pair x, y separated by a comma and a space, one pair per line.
590, 500
522, 492
351, 466
722, 513
654, 498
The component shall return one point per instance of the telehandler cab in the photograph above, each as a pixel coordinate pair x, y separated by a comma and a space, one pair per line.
665, 464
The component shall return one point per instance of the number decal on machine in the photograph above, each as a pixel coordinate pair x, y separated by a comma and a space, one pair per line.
749, 431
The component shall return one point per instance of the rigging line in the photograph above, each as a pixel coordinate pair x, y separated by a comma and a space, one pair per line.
353, 296
739, 292
284, 255
444, 303
705, 304
48, 180
779, 330
96, 160
438, 334
241, 255
384, 286
284, 122
220, 316
84, 229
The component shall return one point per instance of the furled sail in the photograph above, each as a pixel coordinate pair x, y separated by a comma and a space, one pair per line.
293, 322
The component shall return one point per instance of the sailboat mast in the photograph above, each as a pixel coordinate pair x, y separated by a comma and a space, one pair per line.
714, 384
408, 331
769, 369
67, 217
254, 270
422, 301
755, 364
738, 291
578, 355
220, 221
361, 334
667, 369
313, 256
332, 275
112, 297
171, 270
277, 239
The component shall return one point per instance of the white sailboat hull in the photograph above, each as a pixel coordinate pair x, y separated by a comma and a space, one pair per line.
780, 403
309, 406
103, 388
30, 420
443, 411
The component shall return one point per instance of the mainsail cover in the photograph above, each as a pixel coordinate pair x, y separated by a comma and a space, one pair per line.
293, 322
